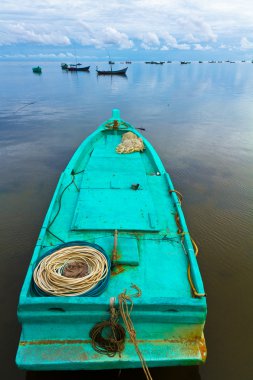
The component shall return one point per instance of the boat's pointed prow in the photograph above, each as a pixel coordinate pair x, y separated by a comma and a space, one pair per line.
116, 114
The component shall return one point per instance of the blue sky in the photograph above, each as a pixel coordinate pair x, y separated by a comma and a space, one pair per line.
126, 29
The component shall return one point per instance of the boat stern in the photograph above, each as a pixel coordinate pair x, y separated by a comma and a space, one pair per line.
56, 335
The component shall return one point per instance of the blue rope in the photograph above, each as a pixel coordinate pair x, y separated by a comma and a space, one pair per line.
95, 292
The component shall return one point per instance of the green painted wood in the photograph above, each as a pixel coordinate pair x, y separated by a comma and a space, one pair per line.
112, 208
151, 254
71, 355
127, 249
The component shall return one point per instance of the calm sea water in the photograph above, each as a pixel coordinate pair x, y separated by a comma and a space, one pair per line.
199, 117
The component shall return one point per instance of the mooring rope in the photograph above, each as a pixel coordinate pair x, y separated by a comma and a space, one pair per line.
73, 174
49, 275
182, 233
196, 250
179, 195
189, 272
126, 306
108, 337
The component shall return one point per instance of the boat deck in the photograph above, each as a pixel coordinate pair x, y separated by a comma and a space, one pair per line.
150, 252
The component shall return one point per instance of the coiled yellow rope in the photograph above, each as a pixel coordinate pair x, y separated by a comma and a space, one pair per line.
48, 274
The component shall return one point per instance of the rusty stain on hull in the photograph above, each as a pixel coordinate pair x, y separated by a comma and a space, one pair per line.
86, 341
202, 348
117, 269
57, 341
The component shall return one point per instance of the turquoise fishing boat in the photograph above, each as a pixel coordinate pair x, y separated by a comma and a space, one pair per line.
37, 70
115, 201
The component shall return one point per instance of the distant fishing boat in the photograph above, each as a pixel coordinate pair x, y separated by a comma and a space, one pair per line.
128, 62
64, 66
155, 62
112, 72
113, 281
111, 63
77, 67
37, 70
185, 62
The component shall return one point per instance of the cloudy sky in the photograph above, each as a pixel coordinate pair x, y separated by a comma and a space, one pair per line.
127, 29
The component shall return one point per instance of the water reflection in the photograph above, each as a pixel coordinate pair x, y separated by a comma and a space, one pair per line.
179, 373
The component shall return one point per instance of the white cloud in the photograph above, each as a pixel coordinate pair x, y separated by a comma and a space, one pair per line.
246, 44
171, 43
189, 37
148, 47
201, 48
197, 29
149, 24
21, 32
106, 37
183, 47
169, 39
150, 41
153, 41
112, 36
40, 55
51, 55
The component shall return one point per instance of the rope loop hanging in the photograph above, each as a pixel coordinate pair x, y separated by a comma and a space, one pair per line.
196, 294
179, 195
108, 337
183, 233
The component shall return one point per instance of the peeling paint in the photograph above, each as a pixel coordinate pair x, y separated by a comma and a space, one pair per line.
202, 348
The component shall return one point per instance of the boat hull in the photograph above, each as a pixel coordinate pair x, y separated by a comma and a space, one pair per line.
112, 72
97, 197
37, 70
87, 68
79, 355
